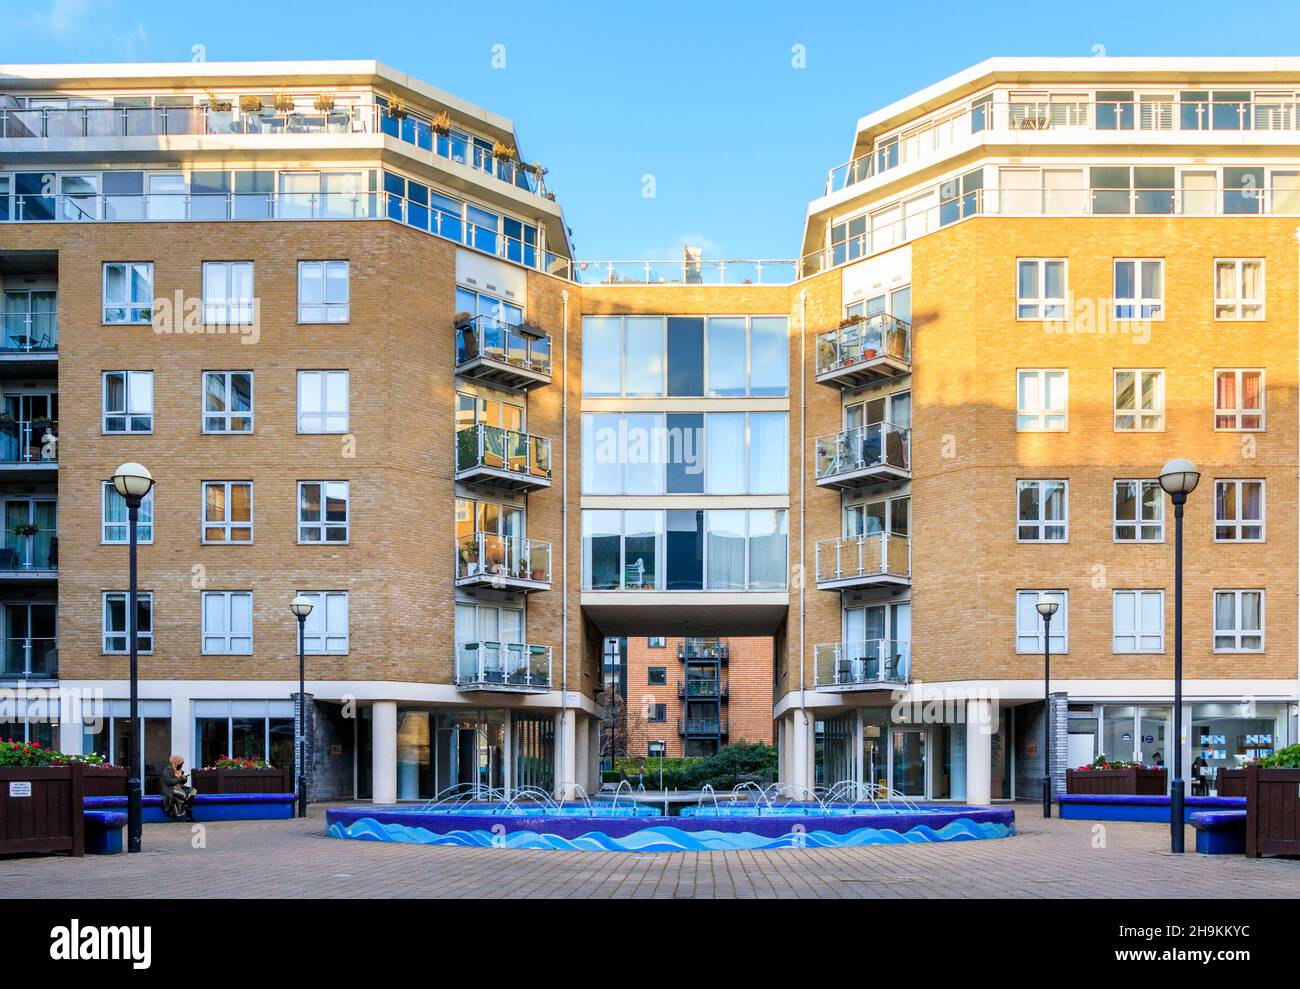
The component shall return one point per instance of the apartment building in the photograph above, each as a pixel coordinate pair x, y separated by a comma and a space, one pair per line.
690, 696
336, 315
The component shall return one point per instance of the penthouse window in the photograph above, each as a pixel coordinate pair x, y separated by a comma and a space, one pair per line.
686, 356
1132, 189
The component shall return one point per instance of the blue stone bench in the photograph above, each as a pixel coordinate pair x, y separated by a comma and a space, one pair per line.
210, 807
1127, 807
103, 831
1219, 832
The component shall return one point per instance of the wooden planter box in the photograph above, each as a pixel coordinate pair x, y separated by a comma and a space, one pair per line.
50, 819
242, 780
107, 782
1272, 811
1231, 782
1132, 782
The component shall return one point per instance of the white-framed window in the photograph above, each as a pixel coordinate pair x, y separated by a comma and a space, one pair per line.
115, 632
323, 295
1139, 401
128, 292
1138, 623
1238, 511
1040, 288
326, 630
322, 511
656, 750
1239, 288
1139, 511
322, 401
227, 511
128, 401
1042, 511
116, 525
1042, 401
227, 623
1029, 623
1238, 621
227, 401
1239, 399
228, 292
1139, 288
489, 623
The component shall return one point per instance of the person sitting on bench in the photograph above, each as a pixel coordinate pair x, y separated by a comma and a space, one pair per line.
177, 794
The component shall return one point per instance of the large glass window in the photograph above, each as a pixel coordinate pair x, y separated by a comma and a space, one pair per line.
685, 550
768, 541
602, 347
728, 359
244, 729
642, 539
686, 356
725, 460
769, 349
602, 471
768, 453
602, 535
644, 353
725, 532
686, 453
644, 453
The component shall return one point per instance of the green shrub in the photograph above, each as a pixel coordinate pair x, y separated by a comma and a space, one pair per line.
1287, 758
731, 765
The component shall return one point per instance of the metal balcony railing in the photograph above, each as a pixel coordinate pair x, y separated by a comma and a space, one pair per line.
521, 454
486, 338
702, 648
487, 665
692, 272
28, 442
489, 558
864, 448
863, 340
873, 662
706, 727
694, 689
29, 332
871, 557
31, 658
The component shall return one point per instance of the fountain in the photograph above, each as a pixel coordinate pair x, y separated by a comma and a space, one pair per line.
748, 816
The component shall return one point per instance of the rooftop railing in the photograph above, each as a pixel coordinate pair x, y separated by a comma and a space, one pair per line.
884, 662
879, 444
1006, 113
482, 445
486, 665
780, 272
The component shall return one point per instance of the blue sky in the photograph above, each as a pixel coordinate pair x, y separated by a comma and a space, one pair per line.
703, 96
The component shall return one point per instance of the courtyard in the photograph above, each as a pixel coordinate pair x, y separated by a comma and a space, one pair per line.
1046, 859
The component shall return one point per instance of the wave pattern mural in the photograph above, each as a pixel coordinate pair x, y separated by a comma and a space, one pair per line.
655, 836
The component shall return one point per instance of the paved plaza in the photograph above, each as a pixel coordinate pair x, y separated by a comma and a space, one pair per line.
1046, 859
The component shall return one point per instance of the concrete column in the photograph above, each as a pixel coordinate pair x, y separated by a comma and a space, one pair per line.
782, 749
383, 722
859, 749
566, 770
183, 741
980, 728
581, 752
593, 753
799, 770
71, 733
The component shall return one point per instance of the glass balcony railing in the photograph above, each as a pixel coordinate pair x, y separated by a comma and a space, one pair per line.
29, 332
486, 557
503, 666
720, 272
884, 662
28, 551
862, 340
701, 689
23, 442
701, 726
497, 449
31, 658
880, 444
698, 648
871, 557
491, 339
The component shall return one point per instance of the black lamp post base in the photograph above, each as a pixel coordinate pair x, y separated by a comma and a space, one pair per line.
1176, 826
1047, 796
134, 814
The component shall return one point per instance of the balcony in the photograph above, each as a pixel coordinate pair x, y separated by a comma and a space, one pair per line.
506, 666
505, 563
28, 555
30, 659
702, 690
702, 649
29, 334
29, 450
866, 455
873, 664
863, 351
503, 458
878, 559
702, 727
488, 349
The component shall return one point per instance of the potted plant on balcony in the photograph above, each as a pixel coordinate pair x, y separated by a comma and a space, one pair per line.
282, 102
250, 104
24, 531
324, 102
441, 123
503, 152
216, 104
397, 108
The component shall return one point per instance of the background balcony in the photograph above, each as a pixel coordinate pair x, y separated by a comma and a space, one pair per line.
35, 333
867, 350
30, 659
879, 559
507, 666
503, 458
489, 349
703, 689
872, 664
29, 451
702, 648
485, 559
863, 456
702, 727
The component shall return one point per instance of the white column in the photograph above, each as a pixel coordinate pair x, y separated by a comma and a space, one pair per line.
782, 749
799, 771
183, 731
593, 754
859, 750
980, 727
565, 760
66, 706
383, 752
581, 752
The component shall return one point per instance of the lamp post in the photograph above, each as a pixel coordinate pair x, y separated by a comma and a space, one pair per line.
301, 607
1047, 608
1179, 479
133, 482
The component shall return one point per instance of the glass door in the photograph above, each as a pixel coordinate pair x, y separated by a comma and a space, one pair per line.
908, 761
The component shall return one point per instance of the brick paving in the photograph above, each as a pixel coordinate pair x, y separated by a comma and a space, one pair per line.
1046, 859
